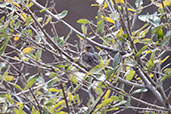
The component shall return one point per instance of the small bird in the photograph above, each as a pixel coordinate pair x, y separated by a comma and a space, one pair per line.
89, 57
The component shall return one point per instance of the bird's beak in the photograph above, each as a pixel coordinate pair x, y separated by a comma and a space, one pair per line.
85, 49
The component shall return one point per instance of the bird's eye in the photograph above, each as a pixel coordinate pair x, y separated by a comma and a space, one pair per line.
88, 47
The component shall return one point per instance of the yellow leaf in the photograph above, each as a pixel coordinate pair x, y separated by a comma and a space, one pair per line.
21, 106
164, 59
53, 90
108, 19
27, 50
129, 9
107, 94
14, 3
70, 96
8, 78
148, 51
107, 62
79, 36
17, 37
166, 3
151, 75
105, 4
15, 57
120, 1
136, 41
12, 20
24, 15
94, 5
138, 78
129, 75
58, 104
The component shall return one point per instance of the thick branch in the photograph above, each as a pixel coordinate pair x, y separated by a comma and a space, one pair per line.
149, 85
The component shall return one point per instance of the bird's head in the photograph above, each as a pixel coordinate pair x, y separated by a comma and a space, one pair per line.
89, 48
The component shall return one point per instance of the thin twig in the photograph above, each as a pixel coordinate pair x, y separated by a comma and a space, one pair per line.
94, 107
65, 98
75, 30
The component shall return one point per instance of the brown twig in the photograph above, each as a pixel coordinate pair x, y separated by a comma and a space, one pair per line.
65, 98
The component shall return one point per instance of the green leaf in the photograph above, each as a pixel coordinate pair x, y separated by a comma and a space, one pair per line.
100, 26
43, 10
105, 102
129, 74
113, 109
151, 61
100, 22
60, 103
83, 21
3, 47
18, 111
153, 19
29, 5
159, 32
54, 90
139, 91
84, 29
38, 54
141, 50
97, 68
81, 38
165, 77
165, 41
167, 71
114, 98
120, 103
109, 74
51, 82
31, 81
17, 86
63, 14
147, 41
8, 97
28, 20
48, 20
59, 40
116, 60
29, 32
62, 112
128, 101
34, 111
150, 64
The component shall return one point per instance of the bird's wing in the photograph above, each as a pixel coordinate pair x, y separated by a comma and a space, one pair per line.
91, 59
96, 58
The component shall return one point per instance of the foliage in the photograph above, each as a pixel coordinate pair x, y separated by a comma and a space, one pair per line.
130, 57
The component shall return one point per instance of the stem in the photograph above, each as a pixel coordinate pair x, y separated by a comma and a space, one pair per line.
65, 98
149, 86
94, 107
